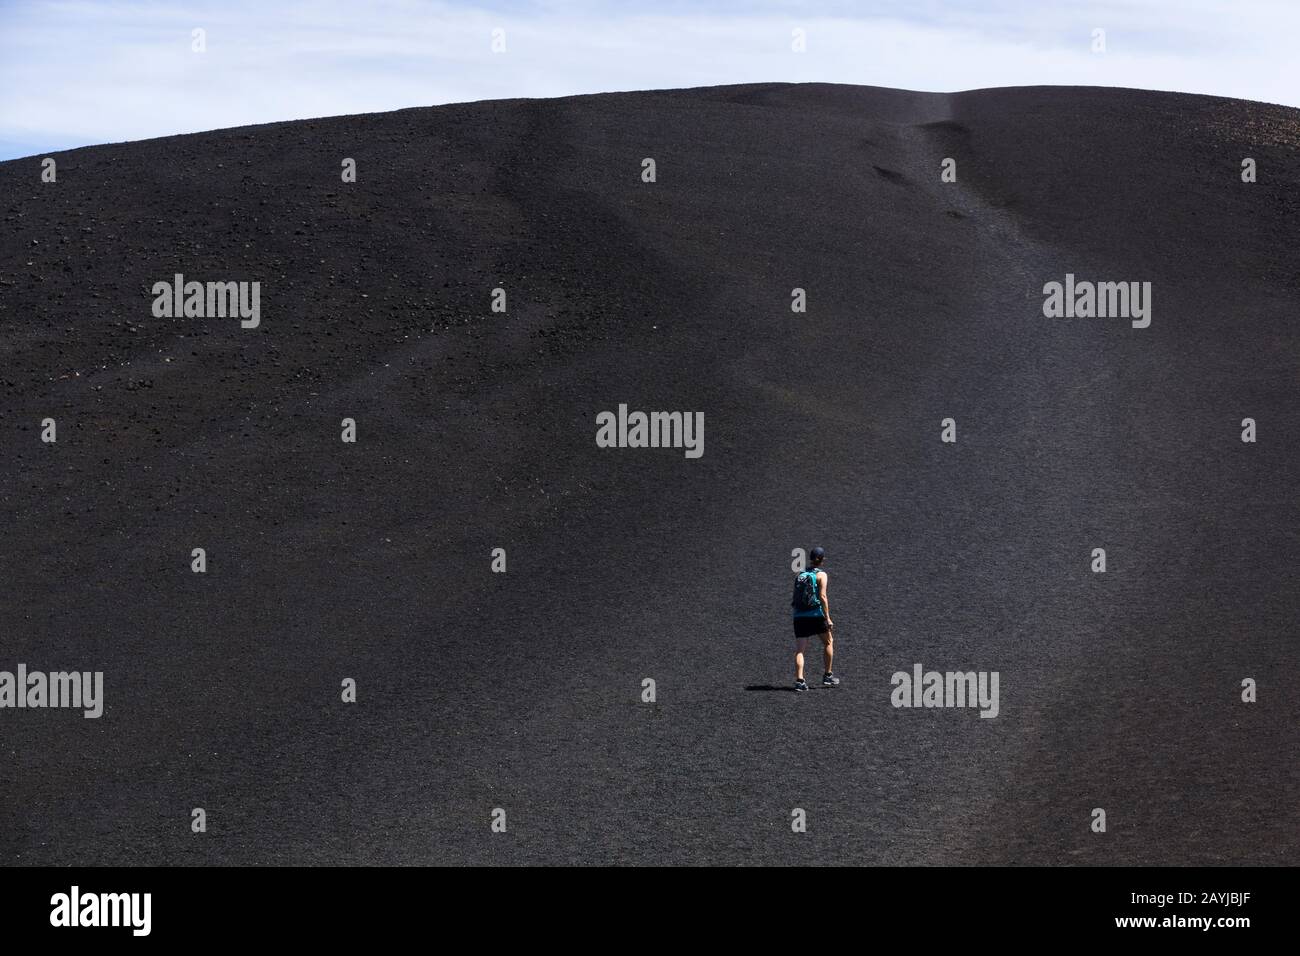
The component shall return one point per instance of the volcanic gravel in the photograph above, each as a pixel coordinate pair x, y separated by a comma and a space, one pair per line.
476, 430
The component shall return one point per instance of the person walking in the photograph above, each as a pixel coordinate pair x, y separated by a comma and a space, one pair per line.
812, 618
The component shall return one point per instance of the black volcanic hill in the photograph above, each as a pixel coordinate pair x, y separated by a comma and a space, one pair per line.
476, 430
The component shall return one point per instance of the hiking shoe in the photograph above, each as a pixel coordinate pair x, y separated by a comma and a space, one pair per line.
801, 685
830, 680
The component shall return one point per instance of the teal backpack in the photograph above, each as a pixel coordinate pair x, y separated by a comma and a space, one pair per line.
805, 592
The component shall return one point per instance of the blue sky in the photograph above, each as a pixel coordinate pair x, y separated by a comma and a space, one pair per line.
74, 72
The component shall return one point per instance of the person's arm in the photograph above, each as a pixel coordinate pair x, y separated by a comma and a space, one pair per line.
822, 579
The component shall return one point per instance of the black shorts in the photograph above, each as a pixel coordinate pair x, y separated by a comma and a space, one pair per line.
810, 626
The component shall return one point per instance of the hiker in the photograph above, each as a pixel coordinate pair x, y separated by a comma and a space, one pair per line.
812, 616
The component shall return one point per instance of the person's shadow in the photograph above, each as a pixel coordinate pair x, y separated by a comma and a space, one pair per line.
789, 687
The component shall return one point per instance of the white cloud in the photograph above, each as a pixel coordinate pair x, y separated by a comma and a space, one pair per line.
91, 72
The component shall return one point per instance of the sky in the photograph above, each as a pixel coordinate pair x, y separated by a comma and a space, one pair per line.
75, 73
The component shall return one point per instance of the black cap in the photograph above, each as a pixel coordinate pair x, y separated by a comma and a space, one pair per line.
817, 554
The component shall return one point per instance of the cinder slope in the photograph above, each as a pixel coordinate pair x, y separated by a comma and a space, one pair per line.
522, 690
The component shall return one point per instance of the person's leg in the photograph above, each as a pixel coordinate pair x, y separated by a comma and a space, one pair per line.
800, 645
828, 649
